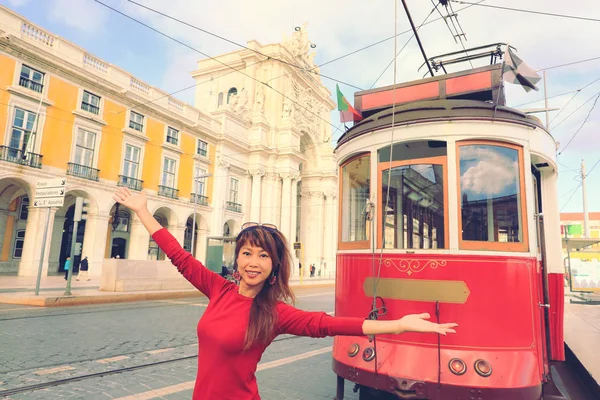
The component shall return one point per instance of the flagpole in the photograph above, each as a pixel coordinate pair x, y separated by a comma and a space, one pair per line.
501, 87
546, 102
34, 129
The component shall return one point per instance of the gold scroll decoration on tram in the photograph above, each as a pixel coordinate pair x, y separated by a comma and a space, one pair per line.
418, 290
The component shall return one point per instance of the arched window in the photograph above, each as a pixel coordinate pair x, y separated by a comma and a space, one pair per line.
232, 92
226, 230
220, 100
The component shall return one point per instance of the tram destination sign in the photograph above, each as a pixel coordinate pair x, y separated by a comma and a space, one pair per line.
50, 193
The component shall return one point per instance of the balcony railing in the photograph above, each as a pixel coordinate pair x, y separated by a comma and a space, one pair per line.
199, 199
83, 171
14, 155
167, 192
136, 126
235, 207
129, 182
90, 108
29, 84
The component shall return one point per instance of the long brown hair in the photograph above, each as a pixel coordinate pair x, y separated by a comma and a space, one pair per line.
263, 315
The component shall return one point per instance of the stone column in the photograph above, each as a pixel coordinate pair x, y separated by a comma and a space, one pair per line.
270, 189
314, 230
139, 239
32, 247
330, 224
94, 242
201, 246
293, 219
256, 194
55, 240
178, 231
219, 196
286, 205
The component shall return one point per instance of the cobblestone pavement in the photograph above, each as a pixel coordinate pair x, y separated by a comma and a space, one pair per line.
116, 351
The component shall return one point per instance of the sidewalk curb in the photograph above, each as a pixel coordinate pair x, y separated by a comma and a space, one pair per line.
124, 297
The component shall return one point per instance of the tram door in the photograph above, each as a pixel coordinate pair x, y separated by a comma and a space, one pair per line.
540, 246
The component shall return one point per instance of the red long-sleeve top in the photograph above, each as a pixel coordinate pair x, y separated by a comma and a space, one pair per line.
225, 370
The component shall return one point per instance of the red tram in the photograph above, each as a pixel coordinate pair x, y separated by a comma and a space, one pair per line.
448, 205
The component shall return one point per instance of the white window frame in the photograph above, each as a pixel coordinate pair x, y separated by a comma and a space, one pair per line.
234, 189
198, 141
17, 101
199, 171
163, 171
23, 204
170, 129
18, 239
86, 134
100, 102
88, 125
26, 116
130, 116
43, 83
139, 163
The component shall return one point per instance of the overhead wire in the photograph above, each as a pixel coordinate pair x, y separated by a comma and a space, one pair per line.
568, 64
403, 47
529, 11
214, 59
291, 64
580, 184
578, 130
574, 111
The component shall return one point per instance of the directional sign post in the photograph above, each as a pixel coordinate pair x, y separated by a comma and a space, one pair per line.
48, 193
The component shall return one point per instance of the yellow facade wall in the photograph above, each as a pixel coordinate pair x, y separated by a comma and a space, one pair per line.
186, 167
155, 131
110, 156
7, 70
8, 231
58, 128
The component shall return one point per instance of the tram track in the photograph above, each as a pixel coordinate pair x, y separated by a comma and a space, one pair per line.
573, 380
64, 381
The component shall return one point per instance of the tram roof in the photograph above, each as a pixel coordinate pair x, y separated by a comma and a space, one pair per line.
438, 110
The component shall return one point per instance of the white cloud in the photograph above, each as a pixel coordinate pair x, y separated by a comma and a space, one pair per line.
87, 16
490, 173
18, 3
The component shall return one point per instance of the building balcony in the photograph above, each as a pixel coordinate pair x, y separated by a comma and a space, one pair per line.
169, 192
90, 108
130, 183
16, 156
235, 207
29, 84
83, 171
199, 199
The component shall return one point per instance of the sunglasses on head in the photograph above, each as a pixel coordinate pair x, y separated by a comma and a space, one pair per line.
256, 224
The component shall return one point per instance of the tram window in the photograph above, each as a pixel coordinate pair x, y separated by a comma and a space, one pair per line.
413, 150
414, 217
355, 193
490, 189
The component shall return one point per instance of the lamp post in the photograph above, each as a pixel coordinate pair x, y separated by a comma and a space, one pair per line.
196, 180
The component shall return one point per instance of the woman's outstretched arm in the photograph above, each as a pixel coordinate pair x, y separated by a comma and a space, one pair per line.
408, 323
318, 324
192, 269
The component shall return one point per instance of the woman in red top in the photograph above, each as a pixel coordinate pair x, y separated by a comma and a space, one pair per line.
241, 321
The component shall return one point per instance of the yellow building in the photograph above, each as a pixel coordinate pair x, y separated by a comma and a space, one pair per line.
66, 113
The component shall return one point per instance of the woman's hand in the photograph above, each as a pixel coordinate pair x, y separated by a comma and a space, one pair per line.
419, 323
135, 202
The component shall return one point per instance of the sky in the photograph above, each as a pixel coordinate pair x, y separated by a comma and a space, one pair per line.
338, 28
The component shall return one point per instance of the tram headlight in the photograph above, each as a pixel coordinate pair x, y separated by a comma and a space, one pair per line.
368, 354
353, 350
483, 368
457, 366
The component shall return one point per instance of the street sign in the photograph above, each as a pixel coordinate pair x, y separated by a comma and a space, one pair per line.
51, 183
297, 245
50, 193
49, 202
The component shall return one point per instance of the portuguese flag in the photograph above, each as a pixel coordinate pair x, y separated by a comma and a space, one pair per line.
347, 112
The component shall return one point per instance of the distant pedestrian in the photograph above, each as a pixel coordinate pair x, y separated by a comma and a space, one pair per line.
67, 267
242, 320
312, 270
83, 269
